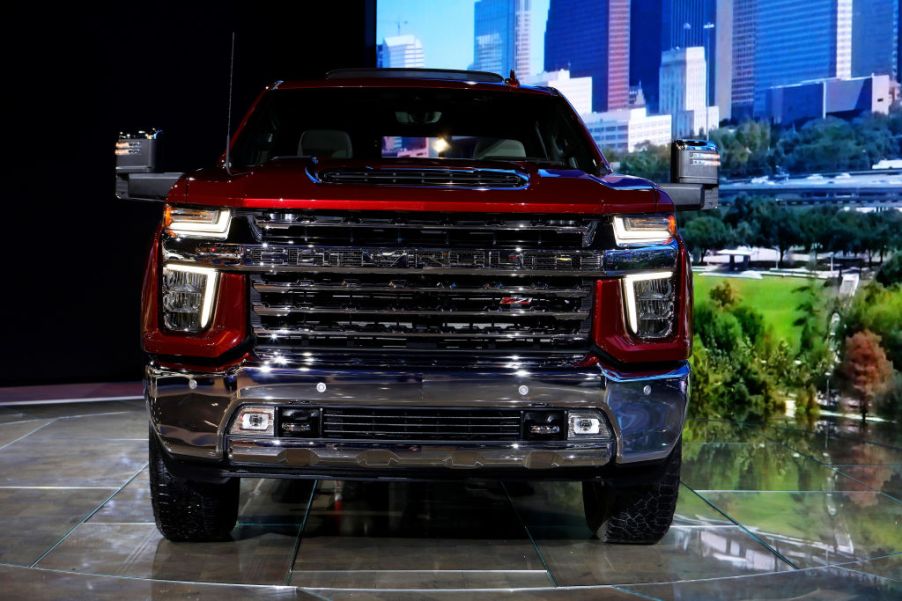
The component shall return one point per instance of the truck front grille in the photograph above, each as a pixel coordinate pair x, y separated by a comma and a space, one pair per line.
421, 424
491, 286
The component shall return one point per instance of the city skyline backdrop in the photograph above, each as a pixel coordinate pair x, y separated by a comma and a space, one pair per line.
648, 71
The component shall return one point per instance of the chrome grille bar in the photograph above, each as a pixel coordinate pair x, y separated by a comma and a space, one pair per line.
421, 424
446, 178
425, 230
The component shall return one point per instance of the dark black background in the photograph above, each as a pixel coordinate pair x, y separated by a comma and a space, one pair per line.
73, 256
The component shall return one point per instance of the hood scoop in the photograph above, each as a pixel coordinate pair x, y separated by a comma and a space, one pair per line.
424, 177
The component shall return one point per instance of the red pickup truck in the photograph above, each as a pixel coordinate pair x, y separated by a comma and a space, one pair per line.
417, 274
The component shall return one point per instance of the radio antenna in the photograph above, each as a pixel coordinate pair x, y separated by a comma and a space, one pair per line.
228, 158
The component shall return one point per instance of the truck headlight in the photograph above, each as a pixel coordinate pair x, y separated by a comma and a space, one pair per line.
649, 300
643, 229
187, 297
197, 223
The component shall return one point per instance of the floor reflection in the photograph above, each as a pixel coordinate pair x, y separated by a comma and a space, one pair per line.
760, 510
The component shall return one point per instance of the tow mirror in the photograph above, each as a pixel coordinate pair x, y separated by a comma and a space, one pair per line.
137, 168
694, 175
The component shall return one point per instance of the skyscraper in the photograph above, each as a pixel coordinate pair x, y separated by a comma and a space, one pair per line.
522, 37
723, 59
798, 40
645, 48
401, 51
501, 39
683, 25
683, 79
844, 38
677, 14
591, 38
745, 27
875, 37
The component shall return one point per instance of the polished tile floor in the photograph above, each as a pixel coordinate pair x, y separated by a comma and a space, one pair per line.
782, 513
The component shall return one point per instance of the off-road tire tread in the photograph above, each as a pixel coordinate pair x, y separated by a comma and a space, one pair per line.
188, 511
640, 514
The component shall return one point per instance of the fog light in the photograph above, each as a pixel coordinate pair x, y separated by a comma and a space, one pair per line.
588, 424
254, 420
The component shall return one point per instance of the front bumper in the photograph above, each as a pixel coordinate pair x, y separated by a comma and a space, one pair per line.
191, 412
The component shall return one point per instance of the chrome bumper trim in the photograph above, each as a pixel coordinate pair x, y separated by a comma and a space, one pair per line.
326, 454
191, 412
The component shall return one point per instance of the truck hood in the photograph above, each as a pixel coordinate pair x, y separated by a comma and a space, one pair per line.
295, 184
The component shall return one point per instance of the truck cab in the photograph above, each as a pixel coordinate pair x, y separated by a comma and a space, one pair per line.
414, 274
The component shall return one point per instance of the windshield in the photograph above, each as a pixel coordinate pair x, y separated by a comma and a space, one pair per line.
414, 123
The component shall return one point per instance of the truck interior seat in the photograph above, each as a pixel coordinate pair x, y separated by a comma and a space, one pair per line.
503, 148
325, 143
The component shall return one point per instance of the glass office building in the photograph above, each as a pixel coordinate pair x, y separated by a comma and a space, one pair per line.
875, 37
800, 40
591, 38
501, 37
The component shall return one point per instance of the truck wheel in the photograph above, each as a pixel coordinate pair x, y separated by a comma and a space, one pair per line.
638, 514
186, 510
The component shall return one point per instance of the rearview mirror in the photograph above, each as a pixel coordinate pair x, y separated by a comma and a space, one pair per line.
694, 175
137, 173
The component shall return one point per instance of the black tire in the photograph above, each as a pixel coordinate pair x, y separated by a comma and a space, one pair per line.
638, 514
188, 511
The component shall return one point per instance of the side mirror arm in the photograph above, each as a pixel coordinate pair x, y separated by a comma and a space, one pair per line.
137, 175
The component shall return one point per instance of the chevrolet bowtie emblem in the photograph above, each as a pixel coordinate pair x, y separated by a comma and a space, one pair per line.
518, 301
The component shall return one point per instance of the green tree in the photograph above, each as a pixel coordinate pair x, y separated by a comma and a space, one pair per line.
650, 162
703, 234
890, 273
745, 150
718, 330
814, 229
724, 295
878, 309
822, 145
779, 228
848, 231
751, 322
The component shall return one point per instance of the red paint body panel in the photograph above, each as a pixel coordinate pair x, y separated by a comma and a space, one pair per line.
227, 329
610, 331
286, 185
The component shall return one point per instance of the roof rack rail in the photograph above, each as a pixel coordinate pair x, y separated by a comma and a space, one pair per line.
395, 73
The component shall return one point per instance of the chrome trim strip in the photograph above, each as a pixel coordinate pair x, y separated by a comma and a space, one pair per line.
262, 309
310, 221
385, 456
288, 333
266, 257
288, 287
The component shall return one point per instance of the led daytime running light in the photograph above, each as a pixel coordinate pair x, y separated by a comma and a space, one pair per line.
211, 276
629, 293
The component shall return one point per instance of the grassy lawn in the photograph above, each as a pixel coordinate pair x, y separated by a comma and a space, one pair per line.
773, 297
